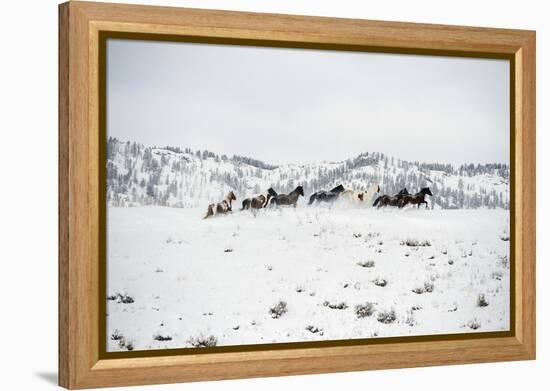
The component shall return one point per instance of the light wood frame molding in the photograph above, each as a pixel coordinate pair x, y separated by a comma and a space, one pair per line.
80, 24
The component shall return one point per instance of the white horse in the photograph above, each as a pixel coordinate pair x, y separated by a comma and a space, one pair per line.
363, 197
370, 194
221, 207
352, 196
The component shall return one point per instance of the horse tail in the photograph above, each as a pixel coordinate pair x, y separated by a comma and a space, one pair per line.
208, 212
267, 200
247, 202
312, 198
376, 201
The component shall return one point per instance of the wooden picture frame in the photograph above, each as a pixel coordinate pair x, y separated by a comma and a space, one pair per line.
81, 25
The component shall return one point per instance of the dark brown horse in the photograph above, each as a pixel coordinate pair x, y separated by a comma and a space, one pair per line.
416, 199
287, 199
386, 200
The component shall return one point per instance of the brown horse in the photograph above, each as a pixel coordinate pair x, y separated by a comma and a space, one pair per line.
221, 207
258, 202
386, 200
416, 199
287, 199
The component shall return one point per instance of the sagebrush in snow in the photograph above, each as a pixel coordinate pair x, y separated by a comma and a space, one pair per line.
116, 336
121, 298
364, 310
410, 320
314, 329
474, 324
504, 261
418, 290
336, 306
161, 338
386, 317
123, 343
482, 301
203, 341
278, 310
368, 264
380, 282
427, 287
411, 242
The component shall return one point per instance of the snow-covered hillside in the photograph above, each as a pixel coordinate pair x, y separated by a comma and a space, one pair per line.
303, 274
169, 176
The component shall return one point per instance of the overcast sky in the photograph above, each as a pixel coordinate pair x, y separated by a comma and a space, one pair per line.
297, 105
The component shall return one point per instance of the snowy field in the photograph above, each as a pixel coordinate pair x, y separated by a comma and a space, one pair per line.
175, 280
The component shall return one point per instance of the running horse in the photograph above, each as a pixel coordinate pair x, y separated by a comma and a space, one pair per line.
287, 199
386, 200
221, 207
370, 193
416, 199
258, 202
360, 197
326, 196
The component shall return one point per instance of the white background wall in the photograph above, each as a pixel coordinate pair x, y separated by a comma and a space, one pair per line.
28, 193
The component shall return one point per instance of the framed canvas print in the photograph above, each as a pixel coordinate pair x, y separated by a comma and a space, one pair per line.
248, 195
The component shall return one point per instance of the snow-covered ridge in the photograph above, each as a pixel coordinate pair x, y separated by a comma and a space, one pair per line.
170, 176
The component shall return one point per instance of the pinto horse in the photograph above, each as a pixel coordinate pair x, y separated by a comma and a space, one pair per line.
416, 199
258, 202
352, 196
254, 202
270, 193
326, 196
221, 207
385, 200
287, 199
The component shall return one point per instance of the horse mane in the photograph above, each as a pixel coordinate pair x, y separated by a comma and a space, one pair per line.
338, 189
403, 191
425, 190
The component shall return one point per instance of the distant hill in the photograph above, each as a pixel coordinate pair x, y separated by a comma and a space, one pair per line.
171, 176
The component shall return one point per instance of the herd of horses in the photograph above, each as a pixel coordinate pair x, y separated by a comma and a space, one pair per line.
273, 199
